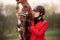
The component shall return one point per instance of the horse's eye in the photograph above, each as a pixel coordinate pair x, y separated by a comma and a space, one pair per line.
20, 2
25, 6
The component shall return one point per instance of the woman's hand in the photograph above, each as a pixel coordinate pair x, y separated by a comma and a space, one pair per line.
21, 29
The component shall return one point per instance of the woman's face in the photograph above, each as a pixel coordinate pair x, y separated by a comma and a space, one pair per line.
36, 14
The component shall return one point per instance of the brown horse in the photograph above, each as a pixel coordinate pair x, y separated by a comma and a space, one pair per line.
24, 15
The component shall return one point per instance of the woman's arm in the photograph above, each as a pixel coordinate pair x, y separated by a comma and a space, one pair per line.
41, 31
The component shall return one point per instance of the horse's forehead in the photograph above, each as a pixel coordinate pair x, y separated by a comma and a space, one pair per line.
20, 5
22, 8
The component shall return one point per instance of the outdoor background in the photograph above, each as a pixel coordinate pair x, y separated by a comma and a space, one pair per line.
8, 20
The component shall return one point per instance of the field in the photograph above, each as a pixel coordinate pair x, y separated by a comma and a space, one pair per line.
50, 35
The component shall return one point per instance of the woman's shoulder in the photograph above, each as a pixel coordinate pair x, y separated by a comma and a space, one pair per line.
45, 21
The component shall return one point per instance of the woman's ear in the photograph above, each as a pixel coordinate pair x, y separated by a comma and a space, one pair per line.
41, 14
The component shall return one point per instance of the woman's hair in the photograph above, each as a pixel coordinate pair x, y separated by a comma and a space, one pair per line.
40, 9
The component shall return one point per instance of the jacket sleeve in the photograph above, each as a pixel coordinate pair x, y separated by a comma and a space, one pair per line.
41, 31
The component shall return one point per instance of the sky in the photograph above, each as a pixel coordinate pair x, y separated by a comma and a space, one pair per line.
8, 1
34, 3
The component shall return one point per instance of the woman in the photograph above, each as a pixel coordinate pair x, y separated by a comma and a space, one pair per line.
39, 25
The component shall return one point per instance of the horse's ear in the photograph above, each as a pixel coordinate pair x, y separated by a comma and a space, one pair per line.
24, 0
21, 0
17, 0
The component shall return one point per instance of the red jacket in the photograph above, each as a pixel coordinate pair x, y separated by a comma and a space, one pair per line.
38, 31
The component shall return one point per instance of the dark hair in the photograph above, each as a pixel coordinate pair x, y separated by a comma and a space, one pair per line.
40, 9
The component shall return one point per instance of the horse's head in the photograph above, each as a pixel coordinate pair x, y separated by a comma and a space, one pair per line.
23, 7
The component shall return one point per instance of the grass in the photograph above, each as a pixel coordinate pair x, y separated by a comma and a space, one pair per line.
53, 33
50, 35
13, 35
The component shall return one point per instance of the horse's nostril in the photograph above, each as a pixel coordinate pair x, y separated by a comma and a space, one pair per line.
22, 21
